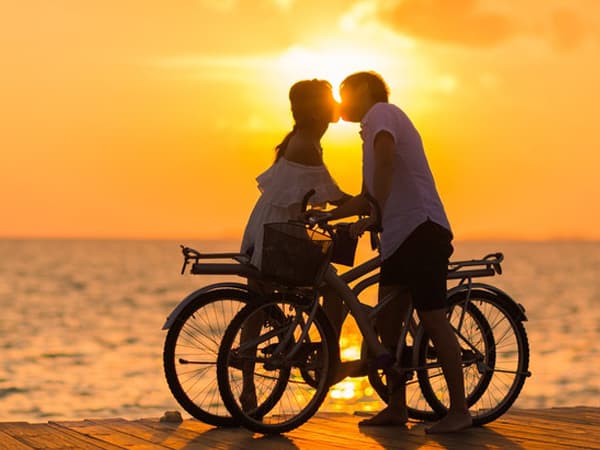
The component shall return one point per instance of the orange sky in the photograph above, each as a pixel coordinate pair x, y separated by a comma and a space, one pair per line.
151, 119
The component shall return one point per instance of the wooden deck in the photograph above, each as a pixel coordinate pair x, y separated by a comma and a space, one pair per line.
556, 428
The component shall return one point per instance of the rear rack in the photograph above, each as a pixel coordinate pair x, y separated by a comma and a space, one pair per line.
488, 266
193, 256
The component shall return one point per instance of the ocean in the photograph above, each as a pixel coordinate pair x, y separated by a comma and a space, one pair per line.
81, 337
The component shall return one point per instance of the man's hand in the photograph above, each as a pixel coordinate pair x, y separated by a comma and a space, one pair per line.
358, 228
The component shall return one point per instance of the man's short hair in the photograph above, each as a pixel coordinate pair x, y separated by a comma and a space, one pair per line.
377, 86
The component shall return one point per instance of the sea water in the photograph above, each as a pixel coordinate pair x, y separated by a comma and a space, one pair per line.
81, 337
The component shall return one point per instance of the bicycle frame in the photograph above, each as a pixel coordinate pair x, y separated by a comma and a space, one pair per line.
464, 271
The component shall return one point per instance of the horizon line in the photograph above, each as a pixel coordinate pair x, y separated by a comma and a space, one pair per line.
239, 238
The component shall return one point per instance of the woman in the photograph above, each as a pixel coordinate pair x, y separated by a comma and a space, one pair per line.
298, 165
297, 169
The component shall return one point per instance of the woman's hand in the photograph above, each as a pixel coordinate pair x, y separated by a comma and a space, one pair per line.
358, 228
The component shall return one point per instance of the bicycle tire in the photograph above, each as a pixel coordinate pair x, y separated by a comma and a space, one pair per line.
419, 406
511, 358
274, 372
196, 333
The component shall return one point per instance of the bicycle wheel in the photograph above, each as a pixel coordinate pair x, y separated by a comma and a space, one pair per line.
477, 353
501, 374
190, 354
292, 386
417, 405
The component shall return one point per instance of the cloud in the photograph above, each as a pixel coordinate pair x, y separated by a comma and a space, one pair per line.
485, 24
451, 21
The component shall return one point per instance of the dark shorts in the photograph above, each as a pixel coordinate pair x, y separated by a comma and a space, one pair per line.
421, 264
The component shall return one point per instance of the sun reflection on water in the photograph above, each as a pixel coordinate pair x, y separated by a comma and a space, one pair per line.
352, 394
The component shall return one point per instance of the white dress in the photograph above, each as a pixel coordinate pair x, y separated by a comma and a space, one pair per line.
283, 186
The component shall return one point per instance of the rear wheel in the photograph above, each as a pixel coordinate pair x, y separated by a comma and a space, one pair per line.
498, 378
190, 354
477, 351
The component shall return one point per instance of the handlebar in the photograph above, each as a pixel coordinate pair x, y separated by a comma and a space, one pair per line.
306, 198
322, 221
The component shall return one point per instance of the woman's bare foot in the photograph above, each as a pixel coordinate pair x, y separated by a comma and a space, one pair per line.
451, 423
248, 400
386, 417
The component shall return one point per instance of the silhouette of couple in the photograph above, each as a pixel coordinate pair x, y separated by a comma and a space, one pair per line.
416, 237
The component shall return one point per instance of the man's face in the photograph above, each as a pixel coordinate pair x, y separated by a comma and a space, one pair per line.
351, 107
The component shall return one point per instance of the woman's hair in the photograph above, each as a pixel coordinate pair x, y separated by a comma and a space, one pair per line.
377, 86
311, 101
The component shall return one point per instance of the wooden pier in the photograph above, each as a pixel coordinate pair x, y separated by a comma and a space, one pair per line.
556, 428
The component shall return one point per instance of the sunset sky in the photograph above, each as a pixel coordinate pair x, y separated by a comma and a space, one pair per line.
151, 119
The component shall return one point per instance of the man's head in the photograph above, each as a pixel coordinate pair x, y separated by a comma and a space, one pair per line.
359, 92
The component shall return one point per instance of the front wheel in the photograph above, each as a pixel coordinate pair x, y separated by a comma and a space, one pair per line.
276, 364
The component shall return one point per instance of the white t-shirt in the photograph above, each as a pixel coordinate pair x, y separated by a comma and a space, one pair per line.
413, 197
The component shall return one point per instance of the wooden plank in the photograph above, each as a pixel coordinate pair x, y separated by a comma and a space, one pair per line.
44, 436
570, 415
342, 428
7, 442
414, 436
168, 435
98, 430
178, 432
239, 438
558, 428
98, 442
557, 438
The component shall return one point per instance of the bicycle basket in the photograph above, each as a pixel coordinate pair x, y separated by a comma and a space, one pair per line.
295, 255
344, 246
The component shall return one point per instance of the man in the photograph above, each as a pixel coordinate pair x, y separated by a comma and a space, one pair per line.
415, 241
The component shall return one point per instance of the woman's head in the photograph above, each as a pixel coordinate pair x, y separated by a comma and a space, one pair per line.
313, 107
313, 104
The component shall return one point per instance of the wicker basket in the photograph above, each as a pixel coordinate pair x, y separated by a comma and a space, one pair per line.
295, 255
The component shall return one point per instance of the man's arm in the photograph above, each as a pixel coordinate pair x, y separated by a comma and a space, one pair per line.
353, 207
384, 149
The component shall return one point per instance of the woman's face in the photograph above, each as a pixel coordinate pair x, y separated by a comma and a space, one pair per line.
333, 110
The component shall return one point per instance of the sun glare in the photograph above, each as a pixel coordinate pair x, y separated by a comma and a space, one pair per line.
332, 64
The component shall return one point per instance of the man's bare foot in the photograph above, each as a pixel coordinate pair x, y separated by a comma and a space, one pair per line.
451, 423
386, 417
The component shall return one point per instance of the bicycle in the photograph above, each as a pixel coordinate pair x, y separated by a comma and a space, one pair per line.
194, 329
296, 348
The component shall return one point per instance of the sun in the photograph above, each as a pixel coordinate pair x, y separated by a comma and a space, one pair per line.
330, 63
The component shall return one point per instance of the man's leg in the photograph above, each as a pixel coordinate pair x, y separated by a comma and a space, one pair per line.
444, 340
389, 322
